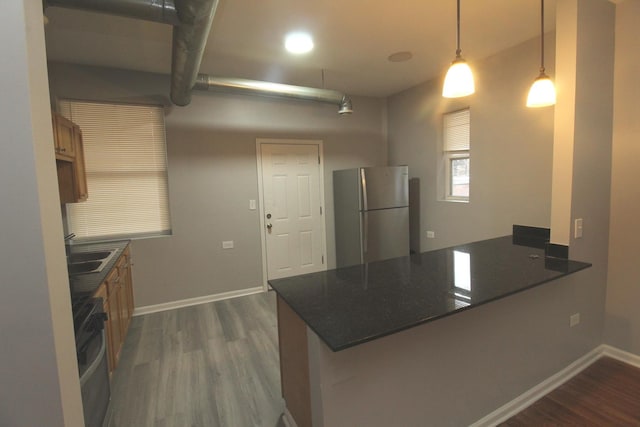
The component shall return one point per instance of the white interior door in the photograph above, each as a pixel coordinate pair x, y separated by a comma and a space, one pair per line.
292, 209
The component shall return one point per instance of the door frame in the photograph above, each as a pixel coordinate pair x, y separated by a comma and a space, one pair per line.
263, 240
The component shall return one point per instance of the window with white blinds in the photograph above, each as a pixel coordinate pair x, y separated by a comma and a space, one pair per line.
456, 130
456, 154
126, 166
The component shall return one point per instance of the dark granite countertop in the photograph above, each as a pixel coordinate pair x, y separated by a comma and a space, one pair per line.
349, 306
89, 283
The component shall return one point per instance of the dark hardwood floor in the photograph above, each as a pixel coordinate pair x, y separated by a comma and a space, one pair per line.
217, 365
607, 393
208, 365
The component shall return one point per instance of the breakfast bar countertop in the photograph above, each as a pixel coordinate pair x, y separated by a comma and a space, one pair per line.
352, 305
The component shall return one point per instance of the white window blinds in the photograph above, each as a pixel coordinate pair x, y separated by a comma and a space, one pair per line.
456, 130
126, 165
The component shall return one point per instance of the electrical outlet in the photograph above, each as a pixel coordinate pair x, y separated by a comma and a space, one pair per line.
431, 235
227, 244
577, 228
574, 319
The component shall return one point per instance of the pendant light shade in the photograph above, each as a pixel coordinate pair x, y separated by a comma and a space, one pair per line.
459, 79
542, 92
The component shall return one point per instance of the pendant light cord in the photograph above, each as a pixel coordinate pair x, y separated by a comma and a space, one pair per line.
541, 36
458, 50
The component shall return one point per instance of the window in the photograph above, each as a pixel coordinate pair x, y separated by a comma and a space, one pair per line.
456, 158
126, 166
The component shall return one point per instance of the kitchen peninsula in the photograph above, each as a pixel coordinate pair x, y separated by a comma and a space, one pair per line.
355, 342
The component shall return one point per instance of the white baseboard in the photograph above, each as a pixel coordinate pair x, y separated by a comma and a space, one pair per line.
621, 355
147, 309
532, 395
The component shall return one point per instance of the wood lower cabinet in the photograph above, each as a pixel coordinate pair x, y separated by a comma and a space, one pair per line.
72, 178
113, 285
117, 294
126, 292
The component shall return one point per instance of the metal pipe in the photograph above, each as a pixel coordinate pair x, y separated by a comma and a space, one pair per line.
163, 11
189, 41
191, 20
206, 82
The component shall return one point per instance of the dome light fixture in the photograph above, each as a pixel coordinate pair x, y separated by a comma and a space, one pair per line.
459, 79
542, 92
298, 43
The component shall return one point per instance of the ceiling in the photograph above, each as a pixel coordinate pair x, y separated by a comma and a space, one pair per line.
352, 40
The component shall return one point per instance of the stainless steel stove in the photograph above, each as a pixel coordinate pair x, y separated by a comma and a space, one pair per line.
88, 323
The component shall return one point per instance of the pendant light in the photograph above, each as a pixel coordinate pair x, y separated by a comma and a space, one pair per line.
459, 79
542, 92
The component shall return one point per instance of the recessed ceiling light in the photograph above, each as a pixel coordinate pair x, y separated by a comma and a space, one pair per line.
298, 42
400, 56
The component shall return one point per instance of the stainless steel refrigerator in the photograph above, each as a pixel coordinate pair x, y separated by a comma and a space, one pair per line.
371, 214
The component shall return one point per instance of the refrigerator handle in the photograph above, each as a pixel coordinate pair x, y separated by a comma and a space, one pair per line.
363, 181
365, 232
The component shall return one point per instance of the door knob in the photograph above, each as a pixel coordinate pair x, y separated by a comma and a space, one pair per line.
269, 226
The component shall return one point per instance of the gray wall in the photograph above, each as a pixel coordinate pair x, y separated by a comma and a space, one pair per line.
622, 326
511, 149
455, 370
211, 147
39, 383
460, 368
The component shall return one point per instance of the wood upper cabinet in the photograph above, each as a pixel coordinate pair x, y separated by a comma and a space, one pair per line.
63, 129
81, 190
72, 178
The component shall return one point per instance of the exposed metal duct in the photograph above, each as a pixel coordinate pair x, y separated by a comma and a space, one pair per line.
191, 20
189, 41
206, 82
163, 11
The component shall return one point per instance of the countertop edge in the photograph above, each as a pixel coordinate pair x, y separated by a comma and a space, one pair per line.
577, 266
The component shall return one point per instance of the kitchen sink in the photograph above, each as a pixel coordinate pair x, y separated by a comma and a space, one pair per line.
84, 267
89, 262
88, 256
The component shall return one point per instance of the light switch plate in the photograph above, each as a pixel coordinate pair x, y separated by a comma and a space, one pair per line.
574, 319
431, 235
252, 205
227, 244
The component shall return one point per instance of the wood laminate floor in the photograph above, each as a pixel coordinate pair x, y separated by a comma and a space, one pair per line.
208, 365
607, 393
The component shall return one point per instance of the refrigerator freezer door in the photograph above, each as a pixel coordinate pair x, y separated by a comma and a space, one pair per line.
346, 201
384, 187
385, 234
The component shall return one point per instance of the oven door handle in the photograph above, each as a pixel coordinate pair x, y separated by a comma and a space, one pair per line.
96, 362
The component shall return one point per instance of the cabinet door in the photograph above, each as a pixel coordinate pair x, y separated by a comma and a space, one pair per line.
123, 300
66, 181
63, 137
127, 291
113, 288
111, 346
80, 176
102, 293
